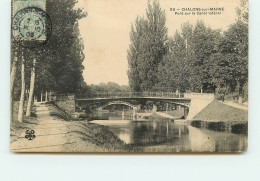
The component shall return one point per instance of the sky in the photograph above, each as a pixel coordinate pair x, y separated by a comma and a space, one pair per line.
105, 31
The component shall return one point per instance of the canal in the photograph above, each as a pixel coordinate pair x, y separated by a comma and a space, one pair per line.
165, 135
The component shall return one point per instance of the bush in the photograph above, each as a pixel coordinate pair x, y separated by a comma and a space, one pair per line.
197, 124
239, 128
217, 126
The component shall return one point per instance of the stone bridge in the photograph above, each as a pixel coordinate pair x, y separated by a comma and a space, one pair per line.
193, 103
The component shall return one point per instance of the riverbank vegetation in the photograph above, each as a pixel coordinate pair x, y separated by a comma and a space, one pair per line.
196, 58
220, 117
220, 112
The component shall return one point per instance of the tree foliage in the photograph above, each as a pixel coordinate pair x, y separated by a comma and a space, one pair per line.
196, 58
148, 46
110, 87
58, 62
233, 48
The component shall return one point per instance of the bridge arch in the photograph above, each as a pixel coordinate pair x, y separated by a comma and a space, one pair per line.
117, 103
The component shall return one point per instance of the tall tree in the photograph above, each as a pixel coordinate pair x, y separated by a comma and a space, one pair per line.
21, 103
148, 46
12, 81
31, 92
204, 45
242, 11
174, 70
234, 50
62, 56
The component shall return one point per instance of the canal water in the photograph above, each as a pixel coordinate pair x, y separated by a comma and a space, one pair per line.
165, 135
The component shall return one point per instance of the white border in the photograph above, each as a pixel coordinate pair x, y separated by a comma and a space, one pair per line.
37, 167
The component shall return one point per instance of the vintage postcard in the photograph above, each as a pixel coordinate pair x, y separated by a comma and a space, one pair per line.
134, 76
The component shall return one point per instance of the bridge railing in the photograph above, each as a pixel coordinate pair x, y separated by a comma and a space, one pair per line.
138, 94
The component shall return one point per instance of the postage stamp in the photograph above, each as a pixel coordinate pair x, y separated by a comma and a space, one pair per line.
30, 22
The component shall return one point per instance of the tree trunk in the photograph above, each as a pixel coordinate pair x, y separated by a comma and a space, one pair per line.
29, 105
20, 112
12, 79
46, 96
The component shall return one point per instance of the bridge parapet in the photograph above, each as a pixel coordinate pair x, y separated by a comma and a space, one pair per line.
201, 96
138, 94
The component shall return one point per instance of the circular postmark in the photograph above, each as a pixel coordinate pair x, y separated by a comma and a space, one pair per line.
31, 27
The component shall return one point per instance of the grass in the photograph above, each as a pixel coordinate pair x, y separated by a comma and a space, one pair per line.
217, 111
179, 113
58, 112
220, 117
104, 138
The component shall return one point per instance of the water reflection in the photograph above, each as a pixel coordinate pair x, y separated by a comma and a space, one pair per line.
170, 136
216, 141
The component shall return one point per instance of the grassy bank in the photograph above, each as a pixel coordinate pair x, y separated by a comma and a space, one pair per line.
90, 137
221, 112
179, 113
220, 117
156, 117
58, 112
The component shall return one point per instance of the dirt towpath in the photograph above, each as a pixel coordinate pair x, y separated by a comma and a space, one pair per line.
53, 134
235, 105
50, 133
